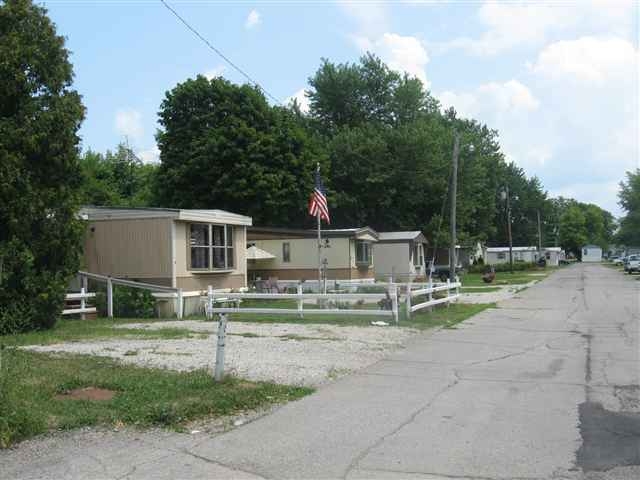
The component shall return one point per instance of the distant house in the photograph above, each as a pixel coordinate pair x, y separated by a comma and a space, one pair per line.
188, 249
591, 253
553, 255
401, 255
496, 255
292, 254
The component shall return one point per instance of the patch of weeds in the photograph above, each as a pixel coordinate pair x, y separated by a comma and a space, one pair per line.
29, 382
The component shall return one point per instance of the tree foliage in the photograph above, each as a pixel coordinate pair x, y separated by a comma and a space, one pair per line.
629, 199
116, 179
223, 146
39, 177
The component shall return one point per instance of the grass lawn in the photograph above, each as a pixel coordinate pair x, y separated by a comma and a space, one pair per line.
480, 289
440, 316
73, 330
506, 278
29, 383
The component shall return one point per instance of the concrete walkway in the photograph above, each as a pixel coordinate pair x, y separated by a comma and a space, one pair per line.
544, 387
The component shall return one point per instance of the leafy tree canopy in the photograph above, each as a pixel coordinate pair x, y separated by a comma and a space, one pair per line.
223, 146
40, 114
629, 199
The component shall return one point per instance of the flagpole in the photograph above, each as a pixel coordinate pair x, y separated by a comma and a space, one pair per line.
319, 240
319, 255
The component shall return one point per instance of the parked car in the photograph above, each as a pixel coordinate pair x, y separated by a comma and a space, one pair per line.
617, 260
632, 264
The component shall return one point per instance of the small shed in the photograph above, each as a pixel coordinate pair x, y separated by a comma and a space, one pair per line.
401, 255
591, 253
553, 255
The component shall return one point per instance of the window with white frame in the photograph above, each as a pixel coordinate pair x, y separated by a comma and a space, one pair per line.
211, 247
363, 252
502, 255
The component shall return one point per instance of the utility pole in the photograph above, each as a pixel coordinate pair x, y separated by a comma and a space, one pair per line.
453, 188
539, 236
509, 230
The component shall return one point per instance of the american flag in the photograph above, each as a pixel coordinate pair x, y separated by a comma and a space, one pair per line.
318, 201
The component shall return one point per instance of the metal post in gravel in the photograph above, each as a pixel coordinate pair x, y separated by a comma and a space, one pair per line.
222, 334
300, 302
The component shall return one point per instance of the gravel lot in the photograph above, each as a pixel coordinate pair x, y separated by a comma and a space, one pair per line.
284, 353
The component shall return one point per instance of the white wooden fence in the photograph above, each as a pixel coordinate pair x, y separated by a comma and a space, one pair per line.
111, 281
429, 289
82, 307
300, 297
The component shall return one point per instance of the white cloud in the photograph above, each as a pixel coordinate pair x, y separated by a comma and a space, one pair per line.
591, 60
128, 122
253, 19
400, 53
301, 98
151, 155
513, 24
215, 72
371, 17
492, 99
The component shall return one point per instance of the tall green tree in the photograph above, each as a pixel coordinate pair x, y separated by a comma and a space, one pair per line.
629, 199
117, 178
223, 146
40, 234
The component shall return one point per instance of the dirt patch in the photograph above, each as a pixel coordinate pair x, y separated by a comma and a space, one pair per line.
87, 393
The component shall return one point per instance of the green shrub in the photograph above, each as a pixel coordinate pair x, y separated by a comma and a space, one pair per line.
127, 303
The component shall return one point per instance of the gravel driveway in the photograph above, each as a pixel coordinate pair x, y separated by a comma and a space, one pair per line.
283, 353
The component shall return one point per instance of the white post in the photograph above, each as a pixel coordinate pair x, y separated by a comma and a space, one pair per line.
180, 307
300, 302
448, 292
83, 303
430, 287
209, 312
393, 293
409, 299
109, 298
457, 285
222, 333
84, 286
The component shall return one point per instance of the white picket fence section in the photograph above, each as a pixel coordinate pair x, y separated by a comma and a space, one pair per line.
429, 289
82, 307
300, 297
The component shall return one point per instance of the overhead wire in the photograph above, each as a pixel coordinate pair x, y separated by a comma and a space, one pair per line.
218, 52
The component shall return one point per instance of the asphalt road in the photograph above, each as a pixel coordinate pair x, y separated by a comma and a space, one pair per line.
544, 387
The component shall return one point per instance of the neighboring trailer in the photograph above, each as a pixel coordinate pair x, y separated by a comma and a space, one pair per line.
187, 249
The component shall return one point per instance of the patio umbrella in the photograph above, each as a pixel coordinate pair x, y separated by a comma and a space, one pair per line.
255, 253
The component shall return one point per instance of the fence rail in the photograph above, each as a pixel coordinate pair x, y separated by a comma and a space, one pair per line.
111, 281
429, 291
82, 307
300, 297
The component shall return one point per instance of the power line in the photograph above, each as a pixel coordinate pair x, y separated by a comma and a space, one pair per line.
224, 57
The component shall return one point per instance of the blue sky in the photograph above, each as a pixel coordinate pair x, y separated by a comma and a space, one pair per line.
558, 80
